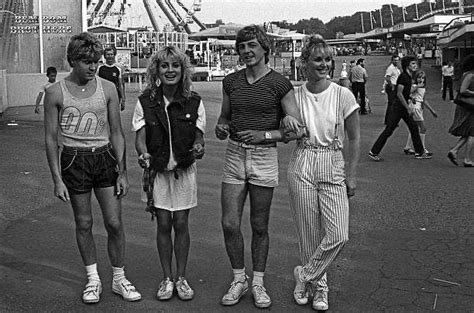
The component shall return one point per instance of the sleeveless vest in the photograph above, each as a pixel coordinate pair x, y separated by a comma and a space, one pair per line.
182, 117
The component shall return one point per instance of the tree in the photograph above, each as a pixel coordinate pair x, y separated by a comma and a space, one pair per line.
311, 26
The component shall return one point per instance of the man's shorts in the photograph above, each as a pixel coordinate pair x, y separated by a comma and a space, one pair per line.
83, 169
255, 164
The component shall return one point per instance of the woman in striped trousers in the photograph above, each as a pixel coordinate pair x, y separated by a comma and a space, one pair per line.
318, 185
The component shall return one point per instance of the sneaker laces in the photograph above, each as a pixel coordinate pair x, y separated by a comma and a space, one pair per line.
300, 291
163, 285
91, 288
183, 285
234, 288
127, 285
260, 292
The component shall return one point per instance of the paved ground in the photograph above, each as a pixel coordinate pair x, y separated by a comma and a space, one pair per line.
411, 234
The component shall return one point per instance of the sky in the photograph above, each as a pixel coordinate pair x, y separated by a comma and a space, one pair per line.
260, 11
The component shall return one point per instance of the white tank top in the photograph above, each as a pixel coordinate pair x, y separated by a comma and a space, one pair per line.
84, 122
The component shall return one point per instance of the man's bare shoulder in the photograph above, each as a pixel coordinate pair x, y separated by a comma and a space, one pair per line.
54, 91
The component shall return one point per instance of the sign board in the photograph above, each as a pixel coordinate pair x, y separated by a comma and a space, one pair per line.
20, 45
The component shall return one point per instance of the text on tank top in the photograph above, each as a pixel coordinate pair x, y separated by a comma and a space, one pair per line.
84, 122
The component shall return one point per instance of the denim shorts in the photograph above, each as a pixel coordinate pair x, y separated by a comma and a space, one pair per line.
255, 164
83, 169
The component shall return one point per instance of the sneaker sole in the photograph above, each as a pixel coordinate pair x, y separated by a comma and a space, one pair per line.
321, 307
228, 303
117, 292
185, 298
164, 298
262, 305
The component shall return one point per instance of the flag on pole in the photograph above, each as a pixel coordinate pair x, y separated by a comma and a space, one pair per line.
391, 13
372, 20
431, 8
381, 22
362, 21
416, 10
444, 8
404, 12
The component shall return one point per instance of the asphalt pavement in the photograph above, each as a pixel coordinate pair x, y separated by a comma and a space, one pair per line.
411, 225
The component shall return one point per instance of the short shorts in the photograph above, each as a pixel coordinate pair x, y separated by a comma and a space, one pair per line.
83, 169
255, 164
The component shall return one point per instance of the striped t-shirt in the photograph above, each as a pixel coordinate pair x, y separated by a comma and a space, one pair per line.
256, 106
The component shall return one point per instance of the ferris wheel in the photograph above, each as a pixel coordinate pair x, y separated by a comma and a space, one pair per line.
190, 13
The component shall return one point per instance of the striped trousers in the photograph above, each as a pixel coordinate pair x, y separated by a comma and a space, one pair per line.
320, 206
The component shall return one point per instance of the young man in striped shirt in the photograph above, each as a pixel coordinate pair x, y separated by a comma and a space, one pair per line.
255, 101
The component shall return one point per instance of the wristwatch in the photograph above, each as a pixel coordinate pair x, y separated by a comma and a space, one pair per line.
268, 135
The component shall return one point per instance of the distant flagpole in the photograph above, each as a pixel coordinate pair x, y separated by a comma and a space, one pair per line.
416, 10
391, 13
444, 8
362, 21
381, 22
404, 11
431, 8
371, 17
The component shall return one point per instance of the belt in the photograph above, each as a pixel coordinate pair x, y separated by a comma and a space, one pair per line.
86, 150
249, 146
305, 144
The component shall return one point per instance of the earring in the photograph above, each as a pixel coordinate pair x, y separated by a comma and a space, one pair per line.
158, 82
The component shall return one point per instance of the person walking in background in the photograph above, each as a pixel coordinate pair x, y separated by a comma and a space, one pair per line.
447, 72
255, 101
359, 78
463, 123
391, 75
170, 121
110, 71
92, 158
318, 186
51, 73
417, 102
401, 110
344, 76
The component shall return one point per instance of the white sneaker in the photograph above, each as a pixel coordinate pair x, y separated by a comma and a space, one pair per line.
165, 291
184, 291
320, 300
236, 291
300, 294
125, 288
261, 299
92, 291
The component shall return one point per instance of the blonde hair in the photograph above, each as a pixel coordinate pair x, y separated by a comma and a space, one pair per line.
313, 43
184, 88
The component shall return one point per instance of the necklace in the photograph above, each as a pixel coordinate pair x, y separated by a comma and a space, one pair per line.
83, 88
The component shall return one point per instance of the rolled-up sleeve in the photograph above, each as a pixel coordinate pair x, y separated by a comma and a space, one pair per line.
138, 119
201, 120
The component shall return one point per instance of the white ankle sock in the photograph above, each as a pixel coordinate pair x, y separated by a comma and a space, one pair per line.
258, 278
91, 272
239, 274
118, 273
422, 137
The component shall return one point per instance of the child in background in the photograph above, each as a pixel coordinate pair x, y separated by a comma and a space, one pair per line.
51, 73
417, 104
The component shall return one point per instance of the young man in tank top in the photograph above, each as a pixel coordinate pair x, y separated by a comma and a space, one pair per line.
84, 109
